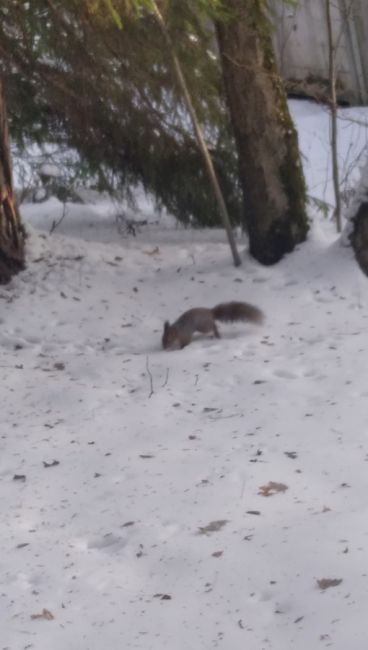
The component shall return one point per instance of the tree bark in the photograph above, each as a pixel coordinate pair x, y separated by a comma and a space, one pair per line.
359, 236
12, 235
269, 163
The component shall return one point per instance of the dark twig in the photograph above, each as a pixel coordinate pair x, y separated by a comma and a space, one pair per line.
166, 378
57, 222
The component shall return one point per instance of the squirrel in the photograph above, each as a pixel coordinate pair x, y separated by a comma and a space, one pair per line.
201, 319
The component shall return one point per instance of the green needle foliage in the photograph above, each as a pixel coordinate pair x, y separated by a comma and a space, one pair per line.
94, 75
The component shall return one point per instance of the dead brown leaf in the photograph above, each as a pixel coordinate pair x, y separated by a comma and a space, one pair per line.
326, 583
272, 488
163, 596
212, 527
45, 615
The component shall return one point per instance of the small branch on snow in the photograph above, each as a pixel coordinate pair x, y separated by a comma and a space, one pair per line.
150, 378
223, 417
57, 222
166, 378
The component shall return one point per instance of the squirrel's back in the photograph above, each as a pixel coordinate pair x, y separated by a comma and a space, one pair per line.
201, 319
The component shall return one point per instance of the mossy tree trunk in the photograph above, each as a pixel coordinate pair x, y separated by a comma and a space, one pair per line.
270, 168
11, 229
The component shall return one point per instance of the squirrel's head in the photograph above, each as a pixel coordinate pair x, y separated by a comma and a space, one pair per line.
169, 337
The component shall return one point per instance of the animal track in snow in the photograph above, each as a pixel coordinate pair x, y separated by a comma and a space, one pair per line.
109, 542
299, 373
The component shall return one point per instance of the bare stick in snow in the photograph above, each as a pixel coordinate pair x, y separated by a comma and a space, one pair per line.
166, 378
57, 222
150, 378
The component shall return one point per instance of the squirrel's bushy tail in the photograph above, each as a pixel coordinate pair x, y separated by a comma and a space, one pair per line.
233, 311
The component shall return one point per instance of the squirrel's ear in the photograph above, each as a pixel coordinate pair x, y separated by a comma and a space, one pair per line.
166, 325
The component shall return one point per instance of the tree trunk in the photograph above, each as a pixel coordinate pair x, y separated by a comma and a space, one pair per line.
12, 234
269, 163
359, 236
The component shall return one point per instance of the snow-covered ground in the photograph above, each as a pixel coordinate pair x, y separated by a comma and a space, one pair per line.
213, 497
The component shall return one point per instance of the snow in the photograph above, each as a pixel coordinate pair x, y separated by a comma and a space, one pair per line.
134, 481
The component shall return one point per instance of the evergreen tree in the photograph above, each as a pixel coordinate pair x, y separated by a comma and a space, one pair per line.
76, 79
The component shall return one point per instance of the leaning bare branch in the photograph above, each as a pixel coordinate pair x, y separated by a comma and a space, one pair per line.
333, 112
57, 222
150, 378
166, 378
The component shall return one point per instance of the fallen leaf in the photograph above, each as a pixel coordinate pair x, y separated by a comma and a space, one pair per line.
212, 527
45, 615
326, 583
291, 454
272, 488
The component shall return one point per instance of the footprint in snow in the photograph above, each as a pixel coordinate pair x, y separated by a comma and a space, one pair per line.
109, 542
301, 373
